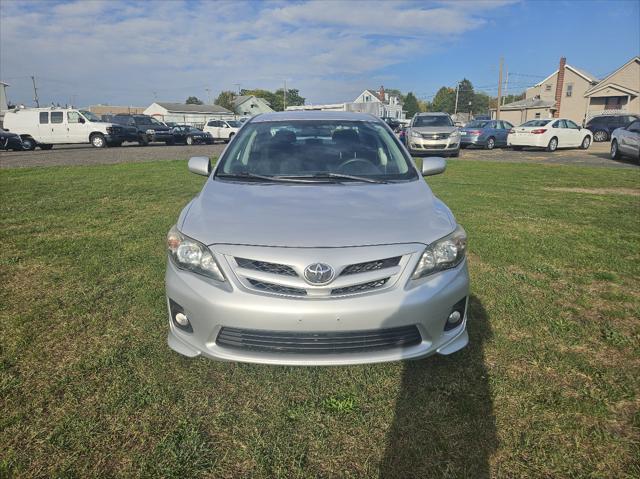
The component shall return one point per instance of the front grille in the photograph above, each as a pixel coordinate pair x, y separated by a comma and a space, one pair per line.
360, 288
435, 136
266, 267
370, 266
318, 342
276, 288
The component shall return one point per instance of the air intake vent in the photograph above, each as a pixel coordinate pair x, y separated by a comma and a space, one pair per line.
360, 288
266, 267
318, 342
371, 266
277, 288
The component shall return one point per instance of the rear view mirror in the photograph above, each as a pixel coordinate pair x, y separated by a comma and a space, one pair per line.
433, 165
200, 165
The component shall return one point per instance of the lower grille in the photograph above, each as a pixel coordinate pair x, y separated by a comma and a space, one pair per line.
318, 342
360, 288
276, 288
434, 147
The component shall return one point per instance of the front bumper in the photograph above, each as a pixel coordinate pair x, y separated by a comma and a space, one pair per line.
427, 146
209, 307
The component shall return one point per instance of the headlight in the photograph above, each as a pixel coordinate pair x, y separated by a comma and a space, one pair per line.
456, 133
192, 255
443, 254
415, 134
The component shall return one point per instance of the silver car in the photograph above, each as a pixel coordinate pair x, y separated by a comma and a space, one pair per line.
433, 133
626, 141
315, 241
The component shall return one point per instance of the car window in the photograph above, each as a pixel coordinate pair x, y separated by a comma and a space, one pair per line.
317, 147
571, 125
507, 125
634, 127
476, 124
44, 117
73, 117
56, 117
432, 120
536, 123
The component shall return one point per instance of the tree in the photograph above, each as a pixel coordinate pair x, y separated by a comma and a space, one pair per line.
465, 96
444, 100
293, 98
481, 103
225, 99
194, 100
411, 105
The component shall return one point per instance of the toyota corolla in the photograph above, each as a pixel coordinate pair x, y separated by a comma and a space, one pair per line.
315, 241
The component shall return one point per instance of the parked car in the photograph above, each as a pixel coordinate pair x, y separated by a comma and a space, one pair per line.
482, 117
626, 141
485, 133
148, 129
392, 122
602, 126
433, 134
45, 127
222, 129
10, 141
550, 134
191, 135
308, 249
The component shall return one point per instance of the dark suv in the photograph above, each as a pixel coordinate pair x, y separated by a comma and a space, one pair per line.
149, 129
602, 126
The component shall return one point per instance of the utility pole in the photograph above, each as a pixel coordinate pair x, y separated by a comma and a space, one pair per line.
208, 90
238, 85
284, 95
506, 85
35, 91
455, 111
499, 91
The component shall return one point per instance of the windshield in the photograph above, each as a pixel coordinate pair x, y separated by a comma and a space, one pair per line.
536, 123
316, 150
89, 116
476, 124
234, 124
432, 120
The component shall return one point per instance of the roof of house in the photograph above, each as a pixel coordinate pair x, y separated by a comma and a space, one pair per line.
528, 103
579, 71
594, 87
183, 108
239, 100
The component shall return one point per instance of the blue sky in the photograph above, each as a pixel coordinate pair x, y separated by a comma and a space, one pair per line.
131, 53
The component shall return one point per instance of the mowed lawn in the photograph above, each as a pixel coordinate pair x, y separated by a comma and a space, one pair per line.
548, 387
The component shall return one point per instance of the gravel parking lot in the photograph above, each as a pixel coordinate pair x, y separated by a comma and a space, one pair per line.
597, 155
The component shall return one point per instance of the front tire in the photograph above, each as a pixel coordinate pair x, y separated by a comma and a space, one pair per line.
615, 151
553, 145
600, 135
29, 144
585, 143
491, 143
98, 140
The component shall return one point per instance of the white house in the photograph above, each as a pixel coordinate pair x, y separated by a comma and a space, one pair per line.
368, 101
250, 105
196, 115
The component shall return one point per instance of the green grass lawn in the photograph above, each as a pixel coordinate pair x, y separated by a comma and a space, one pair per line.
548, 387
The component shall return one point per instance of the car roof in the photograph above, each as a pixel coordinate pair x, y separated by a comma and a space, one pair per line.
433, 113
313, 115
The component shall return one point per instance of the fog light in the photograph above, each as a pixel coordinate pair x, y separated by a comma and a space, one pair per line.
182, 320
178, 317
453, 317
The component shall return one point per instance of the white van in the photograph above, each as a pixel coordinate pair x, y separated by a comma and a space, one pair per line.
222, 129
45, 127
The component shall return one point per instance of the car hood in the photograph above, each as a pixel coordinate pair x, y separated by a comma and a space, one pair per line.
318, 215
435, 129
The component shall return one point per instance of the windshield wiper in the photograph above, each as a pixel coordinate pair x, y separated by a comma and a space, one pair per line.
253, 176
336, 176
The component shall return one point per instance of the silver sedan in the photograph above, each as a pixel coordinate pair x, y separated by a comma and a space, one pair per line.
626, 141
315, 241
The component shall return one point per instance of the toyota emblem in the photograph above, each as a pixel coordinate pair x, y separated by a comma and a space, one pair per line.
318, 273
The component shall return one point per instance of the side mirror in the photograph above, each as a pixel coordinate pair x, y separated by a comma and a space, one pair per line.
200, 165
80, 120
433, 165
